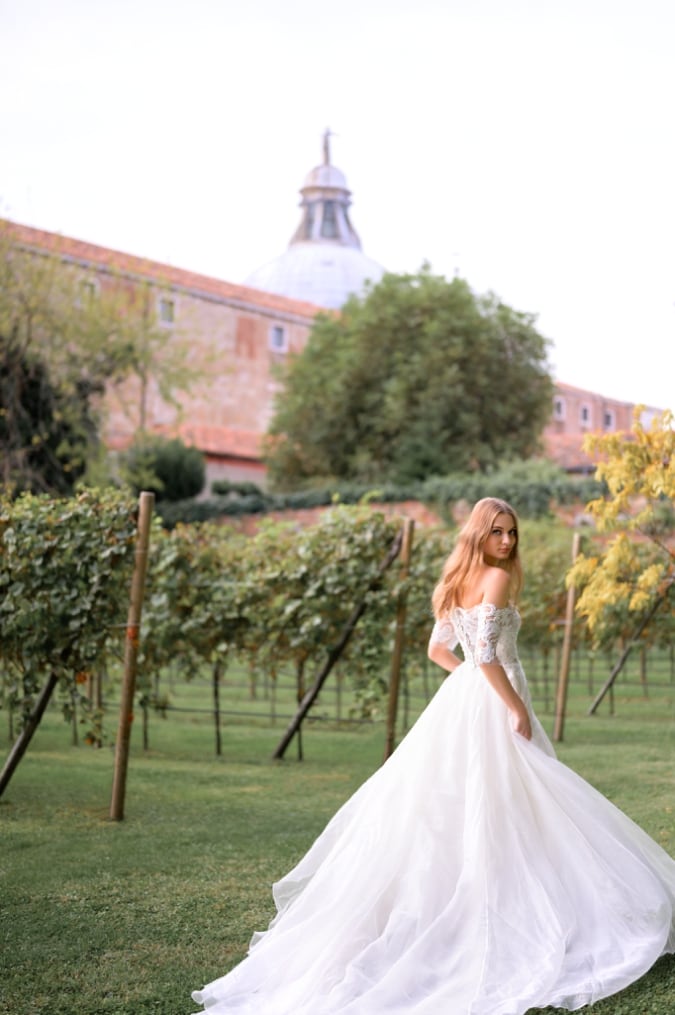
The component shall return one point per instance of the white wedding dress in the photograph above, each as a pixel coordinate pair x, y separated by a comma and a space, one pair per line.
473, 874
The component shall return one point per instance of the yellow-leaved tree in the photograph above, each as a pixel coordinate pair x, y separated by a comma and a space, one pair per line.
632, 575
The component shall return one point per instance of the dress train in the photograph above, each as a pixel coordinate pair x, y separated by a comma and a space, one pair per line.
473, 874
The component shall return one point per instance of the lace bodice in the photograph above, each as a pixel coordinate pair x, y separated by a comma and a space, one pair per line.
486, 633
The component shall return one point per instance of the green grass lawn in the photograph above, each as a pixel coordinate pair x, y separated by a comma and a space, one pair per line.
101, 917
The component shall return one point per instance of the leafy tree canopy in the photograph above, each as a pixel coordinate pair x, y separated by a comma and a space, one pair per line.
635, 570
65, 339
420, 377
46, 434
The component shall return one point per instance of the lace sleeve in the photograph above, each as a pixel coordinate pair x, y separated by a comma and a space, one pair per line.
487, 633
444, 633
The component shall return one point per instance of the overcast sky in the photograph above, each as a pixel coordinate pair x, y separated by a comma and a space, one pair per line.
527, 144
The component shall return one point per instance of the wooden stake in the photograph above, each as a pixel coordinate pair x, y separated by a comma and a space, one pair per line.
146, 502
19, 749
399, 637
217, 674
563, 680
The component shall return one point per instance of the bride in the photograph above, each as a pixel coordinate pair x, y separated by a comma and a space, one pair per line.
473, 874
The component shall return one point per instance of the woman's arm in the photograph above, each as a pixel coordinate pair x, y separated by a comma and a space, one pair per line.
496, 677
441, 643
442, 656
496, 592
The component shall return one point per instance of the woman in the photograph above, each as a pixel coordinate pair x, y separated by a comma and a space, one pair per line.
473, 874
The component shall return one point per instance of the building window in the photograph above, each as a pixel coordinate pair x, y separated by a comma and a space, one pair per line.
559, 408
585, 415
608, 420
166, 309
329, 223
309, 220
88, 291
278, 340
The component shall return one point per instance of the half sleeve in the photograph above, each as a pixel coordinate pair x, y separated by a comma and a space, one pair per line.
444, 633
487, 634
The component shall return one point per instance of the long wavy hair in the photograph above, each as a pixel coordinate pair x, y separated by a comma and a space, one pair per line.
467, 556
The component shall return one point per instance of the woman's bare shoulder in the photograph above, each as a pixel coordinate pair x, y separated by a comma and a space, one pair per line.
491, 585
496, 585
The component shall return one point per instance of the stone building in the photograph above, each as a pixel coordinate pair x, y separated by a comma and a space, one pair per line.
240, 333
577, 412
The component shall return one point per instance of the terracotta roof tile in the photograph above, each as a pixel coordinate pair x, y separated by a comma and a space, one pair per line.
223, 441
571, 389
216, 441
164, 274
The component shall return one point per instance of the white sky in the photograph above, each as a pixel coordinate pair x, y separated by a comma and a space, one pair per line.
529, 144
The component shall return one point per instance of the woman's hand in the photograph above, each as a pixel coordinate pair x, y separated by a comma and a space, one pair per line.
520, 717
521, 721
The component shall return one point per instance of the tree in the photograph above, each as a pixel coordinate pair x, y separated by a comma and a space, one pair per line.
64, 341
48, 386
420, 377
46, 435
150, 358
635, 570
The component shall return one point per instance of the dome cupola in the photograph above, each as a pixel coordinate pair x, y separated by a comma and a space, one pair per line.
324, 263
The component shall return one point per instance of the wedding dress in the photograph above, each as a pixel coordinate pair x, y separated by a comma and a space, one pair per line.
473, 874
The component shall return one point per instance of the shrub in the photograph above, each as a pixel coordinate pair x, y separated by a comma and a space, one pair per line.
241, 488
169, 468
532, 487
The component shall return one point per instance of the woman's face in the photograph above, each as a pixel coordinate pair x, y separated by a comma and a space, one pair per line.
501, 540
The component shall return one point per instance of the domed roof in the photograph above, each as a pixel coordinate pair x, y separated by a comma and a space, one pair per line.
324, 263
321, 273
325, 176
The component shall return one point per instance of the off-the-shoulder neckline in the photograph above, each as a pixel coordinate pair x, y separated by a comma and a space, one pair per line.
497, 609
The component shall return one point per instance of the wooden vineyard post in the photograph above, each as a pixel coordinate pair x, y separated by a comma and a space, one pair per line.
563, 679
216, 678
399, 637
146, 502
24, 738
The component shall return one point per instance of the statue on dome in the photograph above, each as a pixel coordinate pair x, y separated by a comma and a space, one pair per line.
328, 133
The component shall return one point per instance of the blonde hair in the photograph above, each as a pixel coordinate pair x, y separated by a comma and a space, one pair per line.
467, 556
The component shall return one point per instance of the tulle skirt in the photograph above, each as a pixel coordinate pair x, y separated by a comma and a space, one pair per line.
473, 874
